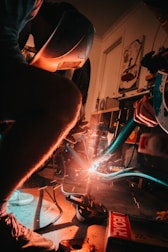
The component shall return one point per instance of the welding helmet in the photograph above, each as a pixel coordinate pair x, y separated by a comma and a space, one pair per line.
69, 43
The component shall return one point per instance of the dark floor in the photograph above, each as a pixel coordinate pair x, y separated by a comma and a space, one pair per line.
133, 196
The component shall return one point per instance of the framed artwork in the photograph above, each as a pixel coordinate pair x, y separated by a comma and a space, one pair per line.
130, 65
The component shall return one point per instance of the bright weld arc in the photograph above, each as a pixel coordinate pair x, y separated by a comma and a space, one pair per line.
110, 150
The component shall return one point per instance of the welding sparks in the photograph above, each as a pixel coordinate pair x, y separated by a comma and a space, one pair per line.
122, 173
125, 172
99, 166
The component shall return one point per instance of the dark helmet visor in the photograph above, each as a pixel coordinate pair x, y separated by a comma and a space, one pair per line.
69, 44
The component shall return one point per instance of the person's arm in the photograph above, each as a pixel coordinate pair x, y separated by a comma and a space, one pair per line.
14, 15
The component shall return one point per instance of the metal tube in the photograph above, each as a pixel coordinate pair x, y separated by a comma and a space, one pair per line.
120, 139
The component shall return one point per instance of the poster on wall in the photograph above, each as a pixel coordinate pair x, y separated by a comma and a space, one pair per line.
130, 65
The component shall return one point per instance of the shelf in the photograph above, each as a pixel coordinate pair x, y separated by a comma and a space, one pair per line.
134, 95
105, 111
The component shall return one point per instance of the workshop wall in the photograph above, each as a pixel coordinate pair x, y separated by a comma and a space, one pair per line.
107, 55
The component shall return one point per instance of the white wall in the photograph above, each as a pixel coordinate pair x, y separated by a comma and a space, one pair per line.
95, 72
106, 53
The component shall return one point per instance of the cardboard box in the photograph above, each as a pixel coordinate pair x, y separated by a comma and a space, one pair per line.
133, 234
